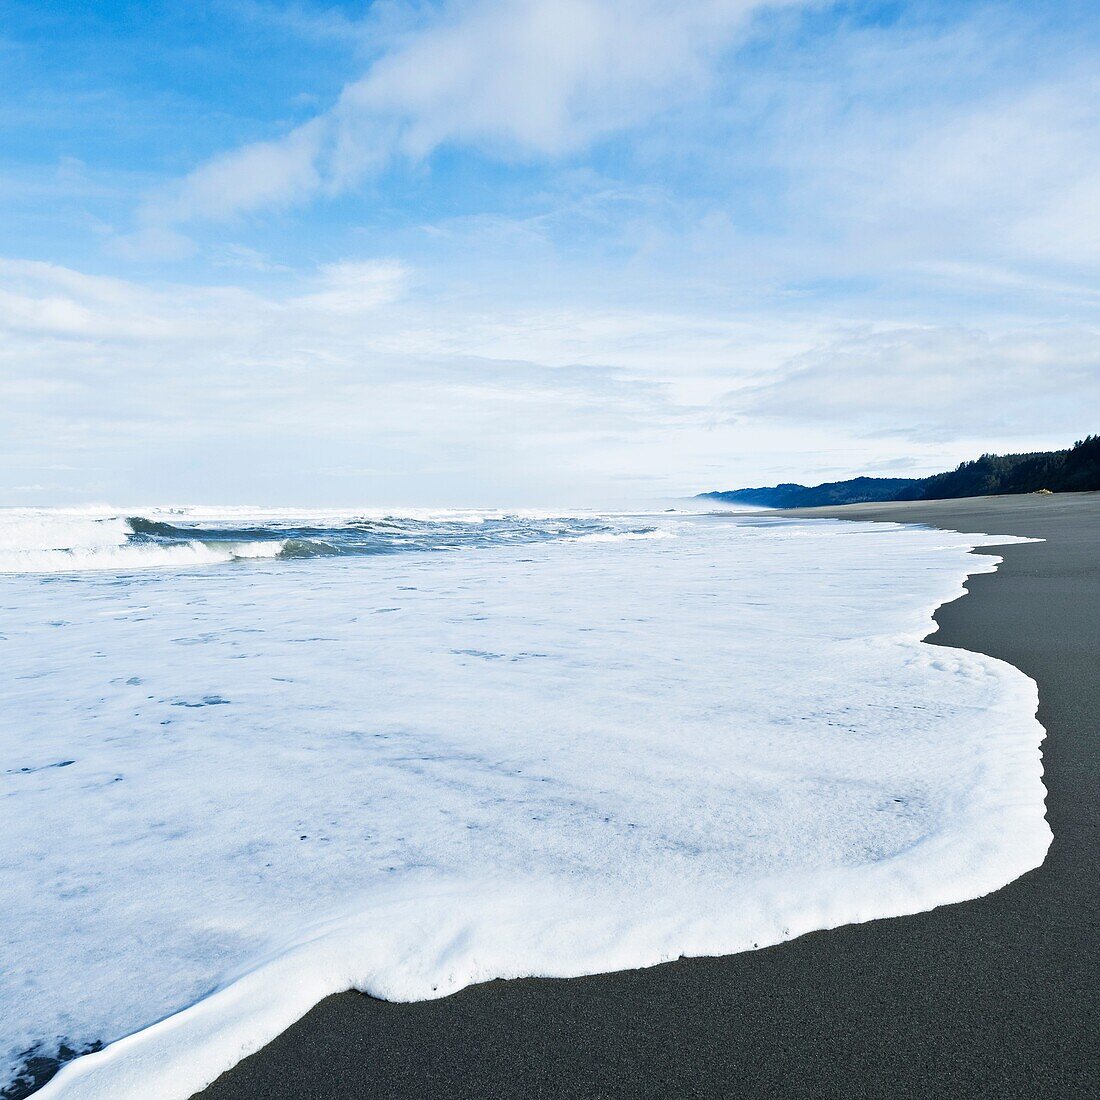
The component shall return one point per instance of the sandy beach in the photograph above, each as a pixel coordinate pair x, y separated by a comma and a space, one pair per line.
994, 997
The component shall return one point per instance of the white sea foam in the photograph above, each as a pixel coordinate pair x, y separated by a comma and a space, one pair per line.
627, 536
66, 540
231, 791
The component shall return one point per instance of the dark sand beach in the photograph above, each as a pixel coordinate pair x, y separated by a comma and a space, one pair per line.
997, 997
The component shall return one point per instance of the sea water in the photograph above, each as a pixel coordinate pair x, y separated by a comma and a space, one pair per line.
251, 758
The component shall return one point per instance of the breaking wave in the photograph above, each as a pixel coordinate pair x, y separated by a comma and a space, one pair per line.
64, 540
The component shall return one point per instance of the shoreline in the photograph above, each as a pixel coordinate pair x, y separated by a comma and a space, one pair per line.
704, 1026
994, 996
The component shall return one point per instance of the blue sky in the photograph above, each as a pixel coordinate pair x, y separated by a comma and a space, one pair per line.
540, 252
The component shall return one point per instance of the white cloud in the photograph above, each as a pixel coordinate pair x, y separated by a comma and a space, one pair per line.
942, 383
267, 173
341, 372
354, 286
1016, 175
416, 397
973, 142
525, 77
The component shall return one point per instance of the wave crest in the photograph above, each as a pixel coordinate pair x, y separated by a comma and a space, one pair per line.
66, 540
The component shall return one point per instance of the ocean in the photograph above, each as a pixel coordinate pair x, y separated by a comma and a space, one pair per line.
252, 757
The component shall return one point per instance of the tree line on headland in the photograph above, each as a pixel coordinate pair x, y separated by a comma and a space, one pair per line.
1075, 469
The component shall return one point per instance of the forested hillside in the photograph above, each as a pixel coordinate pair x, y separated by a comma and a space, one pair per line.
1076, 469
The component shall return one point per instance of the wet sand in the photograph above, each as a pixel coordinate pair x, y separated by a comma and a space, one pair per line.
997, 997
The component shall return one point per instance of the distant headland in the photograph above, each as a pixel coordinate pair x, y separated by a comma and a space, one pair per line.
1075, 469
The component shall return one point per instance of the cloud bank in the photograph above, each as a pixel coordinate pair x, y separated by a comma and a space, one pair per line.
356, 383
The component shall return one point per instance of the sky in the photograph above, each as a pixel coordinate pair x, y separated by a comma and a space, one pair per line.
495, 253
